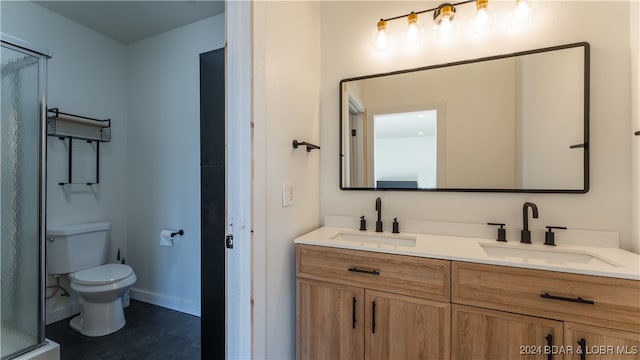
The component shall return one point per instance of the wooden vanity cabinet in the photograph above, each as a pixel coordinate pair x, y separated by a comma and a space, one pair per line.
402, 305
490, 299
368, 305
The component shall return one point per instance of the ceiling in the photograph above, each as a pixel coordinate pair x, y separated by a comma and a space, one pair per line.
131, 21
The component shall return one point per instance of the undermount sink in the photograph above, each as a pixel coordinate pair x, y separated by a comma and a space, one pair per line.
543, 255
378, 239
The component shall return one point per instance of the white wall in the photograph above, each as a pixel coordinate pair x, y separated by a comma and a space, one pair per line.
346, 52
86, 76
392, 164
286, 107
163, 173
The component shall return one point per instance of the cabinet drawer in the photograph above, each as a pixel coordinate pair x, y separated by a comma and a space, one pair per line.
409, 275
586, 299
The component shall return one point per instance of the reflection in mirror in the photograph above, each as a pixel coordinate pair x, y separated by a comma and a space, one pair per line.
516, 122
416, 135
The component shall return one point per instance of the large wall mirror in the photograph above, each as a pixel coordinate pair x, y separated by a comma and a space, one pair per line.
510, 123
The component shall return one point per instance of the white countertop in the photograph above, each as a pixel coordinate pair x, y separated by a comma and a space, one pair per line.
608, 261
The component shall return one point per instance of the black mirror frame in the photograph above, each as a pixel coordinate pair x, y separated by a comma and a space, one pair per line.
587, 62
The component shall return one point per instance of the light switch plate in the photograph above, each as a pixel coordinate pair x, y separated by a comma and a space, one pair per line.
287, 194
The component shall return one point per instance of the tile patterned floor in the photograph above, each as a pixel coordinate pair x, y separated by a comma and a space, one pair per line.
151, 332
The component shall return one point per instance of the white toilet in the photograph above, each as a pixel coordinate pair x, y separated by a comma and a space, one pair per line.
80, 251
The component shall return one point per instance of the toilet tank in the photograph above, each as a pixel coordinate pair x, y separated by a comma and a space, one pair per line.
76, 247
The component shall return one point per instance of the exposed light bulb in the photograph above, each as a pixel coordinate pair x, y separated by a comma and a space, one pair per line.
483, 20
444, 20
446, 28
413, 35
523, 12
412, 32
381, 39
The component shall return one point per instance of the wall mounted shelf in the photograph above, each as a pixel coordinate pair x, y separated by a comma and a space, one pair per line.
74, 127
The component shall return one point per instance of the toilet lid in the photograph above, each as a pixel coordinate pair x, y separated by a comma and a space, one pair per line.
102, 274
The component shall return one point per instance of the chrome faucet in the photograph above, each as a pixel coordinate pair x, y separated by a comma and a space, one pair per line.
525, 234
379, 210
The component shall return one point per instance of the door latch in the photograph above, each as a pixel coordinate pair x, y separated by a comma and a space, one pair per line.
229, 241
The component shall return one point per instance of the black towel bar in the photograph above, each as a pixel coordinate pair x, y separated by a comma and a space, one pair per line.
309, 146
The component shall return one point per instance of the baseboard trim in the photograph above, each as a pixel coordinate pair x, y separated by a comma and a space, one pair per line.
62, 312
165, 301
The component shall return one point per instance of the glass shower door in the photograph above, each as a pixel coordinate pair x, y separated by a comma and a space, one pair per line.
20, 200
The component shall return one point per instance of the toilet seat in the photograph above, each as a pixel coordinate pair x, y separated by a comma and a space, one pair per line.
103, 274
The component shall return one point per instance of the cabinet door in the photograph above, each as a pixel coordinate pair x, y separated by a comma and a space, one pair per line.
590, 342
487, 334
329, 321
403, 327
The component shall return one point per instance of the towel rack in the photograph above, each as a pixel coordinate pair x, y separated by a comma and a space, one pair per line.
79, 127
75, 127
309, 146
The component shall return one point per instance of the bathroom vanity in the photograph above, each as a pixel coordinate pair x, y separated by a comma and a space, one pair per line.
352, 304
416, 296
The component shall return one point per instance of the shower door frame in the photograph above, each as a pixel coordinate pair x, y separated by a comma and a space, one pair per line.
43, 55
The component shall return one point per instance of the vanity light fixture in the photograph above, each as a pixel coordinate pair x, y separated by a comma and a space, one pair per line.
445, 23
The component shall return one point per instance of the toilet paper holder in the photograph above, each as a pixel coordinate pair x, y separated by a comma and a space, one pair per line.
179, 232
